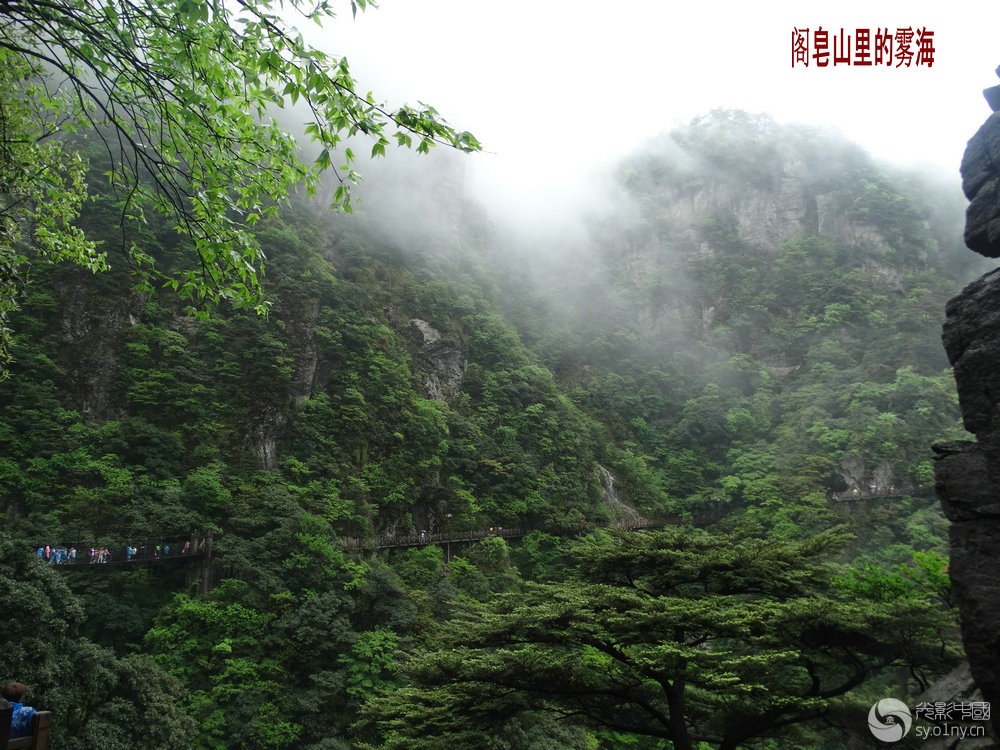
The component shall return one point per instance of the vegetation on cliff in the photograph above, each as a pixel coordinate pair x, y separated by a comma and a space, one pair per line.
178, 101
749, 334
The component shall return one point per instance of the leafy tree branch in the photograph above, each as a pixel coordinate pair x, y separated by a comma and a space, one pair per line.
181, 96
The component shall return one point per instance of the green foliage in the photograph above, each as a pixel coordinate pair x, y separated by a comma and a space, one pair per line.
754, 369
180, 97
421, 566
42, 190
468, 580
98, 699
369, 663
218, 647
538, 555
672, 635
925, 576
711, 374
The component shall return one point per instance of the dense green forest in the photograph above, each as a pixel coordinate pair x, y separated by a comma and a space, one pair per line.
744, 343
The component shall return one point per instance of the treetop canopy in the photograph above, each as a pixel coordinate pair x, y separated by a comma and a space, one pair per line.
180, 94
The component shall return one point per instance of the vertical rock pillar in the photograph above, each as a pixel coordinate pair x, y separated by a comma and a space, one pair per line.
967, 474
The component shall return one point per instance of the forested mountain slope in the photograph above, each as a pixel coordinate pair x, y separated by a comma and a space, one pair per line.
757, 323
748, 330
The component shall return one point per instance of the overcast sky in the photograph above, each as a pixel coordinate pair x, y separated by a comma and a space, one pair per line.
555, 87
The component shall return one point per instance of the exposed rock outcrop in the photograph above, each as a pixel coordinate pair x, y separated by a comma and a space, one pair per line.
91, 328
263, 439
968, 474
620, 510
956, 688
719, 191
441, 361
306, 363
968, 497
981, 182
864, 480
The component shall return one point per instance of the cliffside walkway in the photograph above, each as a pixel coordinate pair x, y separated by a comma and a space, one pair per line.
118, 554
195, 550
879, 493
423, 539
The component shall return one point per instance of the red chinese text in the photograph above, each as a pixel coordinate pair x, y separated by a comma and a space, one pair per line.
902, 47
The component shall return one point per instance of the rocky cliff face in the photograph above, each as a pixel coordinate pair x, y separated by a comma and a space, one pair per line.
968, 474
732, 185
442, 361
90, 331
981, 184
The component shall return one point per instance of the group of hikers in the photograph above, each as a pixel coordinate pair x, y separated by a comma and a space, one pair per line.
57, 555
99, 555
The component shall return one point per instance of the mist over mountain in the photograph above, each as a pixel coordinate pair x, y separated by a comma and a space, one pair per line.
741, 324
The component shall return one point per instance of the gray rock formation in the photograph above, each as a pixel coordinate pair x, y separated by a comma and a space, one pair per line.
706, 211
91, 328
967, 475
263, 439
865, 480
441, 361
981, 182
956, 687
968, 497
620, 510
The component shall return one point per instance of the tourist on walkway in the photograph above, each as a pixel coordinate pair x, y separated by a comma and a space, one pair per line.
22, 717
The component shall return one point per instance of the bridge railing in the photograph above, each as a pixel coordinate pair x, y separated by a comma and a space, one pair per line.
423, 538
879, 493
199, 545
125, 552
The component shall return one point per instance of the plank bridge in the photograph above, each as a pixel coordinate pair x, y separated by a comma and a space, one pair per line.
176, 548
424, 538
876, 493
195, 550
